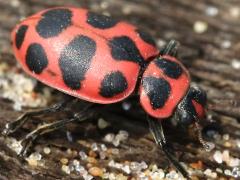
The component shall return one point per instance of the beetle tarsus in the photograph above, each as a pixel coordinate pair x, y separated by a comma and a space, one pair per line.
26, 144
13, 126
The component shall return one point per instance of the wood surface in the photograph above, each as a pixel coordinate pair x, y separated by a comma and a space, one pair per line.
212, 58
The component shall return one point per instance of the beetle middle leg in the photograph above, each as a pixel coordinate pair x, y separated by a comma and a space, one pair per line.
15, 125
156, 129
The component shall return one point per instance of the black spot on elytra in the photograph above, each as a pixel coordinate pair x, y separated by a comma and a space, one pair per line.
158, 90
100, 21
36, 58
146, 37
113, 84
123, 48
170, 68
53, 22
75, 60
20, 35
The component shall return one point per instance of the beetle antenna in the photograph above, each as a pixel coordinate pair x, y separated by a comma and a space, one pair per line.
170, 48
207, 145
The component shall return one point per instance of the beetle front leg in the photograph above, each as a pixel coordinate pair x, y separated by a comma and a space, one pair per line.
156, 129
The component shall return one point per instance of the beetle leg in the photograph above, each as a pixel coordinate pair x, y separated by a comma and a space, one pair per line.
13, 126
158, 134
170, 49
28, 140
206, 145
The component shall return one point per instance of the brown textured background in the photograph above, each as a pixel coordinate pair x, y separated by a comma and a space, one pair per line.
209, 56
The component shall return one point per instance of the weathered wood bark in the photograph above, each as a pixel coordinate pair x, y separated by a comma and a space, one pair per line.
212, 57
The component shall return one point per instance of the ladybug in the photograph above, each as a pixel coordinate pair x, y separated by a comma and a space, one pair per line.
101, 60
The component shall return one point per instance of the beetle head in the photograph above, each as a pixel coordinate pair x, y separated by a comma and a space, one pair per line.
191, 110
192, 107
